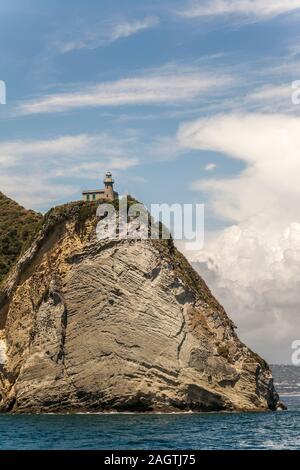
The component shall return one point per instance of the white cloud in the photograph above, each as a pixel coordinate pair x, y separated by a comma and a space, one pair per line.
271, 93
88, 169
258, 282
269, 145
294, 49
253, 9
271, 98
253, 266
105, 33
41, 173
164, 148
166, 85
34, 189
34, 172
125, 29
210, 167
67, 145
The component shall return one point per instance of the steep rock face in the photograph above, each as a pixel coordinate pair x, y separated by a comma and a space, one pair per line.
125, 325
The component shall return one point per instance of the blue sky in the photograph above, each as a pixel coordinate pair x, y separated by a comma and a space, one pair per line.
184, 101
51, 48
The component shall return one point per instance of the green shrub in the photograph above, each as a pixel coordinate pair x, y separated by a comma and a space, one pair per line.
17, 228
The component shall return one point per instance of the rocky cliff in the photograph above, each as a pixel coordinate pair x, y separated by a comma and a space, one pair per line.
118, 325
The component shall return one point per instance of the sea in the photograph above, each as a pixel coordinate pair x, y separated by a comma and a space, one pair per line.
201, 431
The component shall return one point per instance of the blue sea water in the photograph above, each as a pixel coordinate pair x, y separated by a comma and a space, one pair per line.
272, 430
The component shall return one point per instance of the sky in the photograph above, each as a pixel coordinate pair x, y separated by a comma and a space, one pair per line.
185, 102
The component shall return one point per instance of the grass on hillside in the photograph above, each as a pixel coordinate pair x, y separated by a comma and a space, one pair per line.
17, 227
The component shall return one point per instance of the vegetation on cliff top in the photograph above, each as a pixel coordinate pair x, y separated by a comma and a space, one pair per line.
17, 227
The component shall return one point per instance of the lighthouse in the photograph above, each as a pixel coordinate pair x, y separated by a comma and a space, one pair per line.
106, 194
108, 186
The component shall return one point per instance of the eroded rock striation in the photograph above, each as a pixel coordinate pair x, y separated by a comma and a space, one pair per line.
89, 325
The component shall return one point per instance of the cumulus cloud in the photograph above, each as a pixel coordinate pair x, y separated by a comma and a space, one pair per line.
269, 146
258, 282
104, 34
253, 266
167, 85
253, 9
